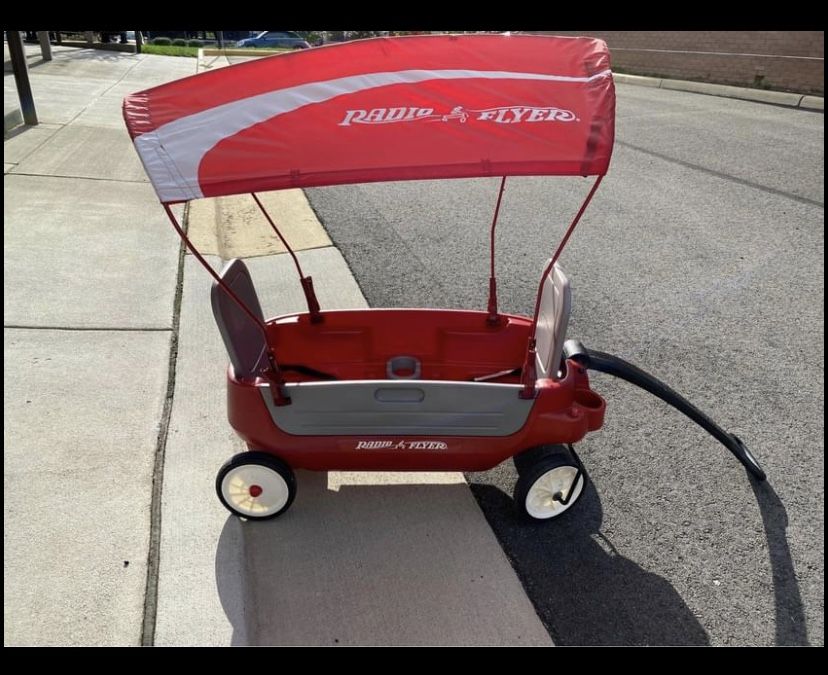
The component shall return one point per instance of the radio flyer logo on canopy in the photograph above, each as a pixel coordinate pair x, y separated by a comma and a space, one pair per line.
502, 115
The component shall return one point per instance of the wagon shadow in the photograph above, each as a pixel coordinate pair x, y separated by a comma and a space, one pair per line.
371, 564
587, 594
584, 591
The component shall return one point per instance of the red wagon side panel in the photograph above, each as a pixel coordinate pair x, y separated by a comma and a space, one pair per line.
564, 412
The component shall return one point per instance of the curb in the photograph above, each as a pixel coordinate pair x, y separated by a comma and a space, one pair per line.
204, 64
743, 93
214, 51
11, 120
812, 103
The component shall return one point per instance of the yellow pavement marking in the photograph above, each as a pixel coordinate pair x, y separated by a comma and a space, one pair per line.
233, 227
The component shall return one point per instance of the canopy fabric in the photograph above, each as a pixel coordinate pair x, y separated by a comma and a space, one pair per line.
436, 106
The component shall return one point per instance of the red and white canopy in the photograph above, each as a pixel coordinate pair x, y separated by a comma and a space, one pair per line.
437, 106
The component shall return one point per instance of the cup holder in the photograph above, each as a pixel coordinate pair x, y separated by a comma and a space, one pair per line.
593, 405
403, 368
588, 399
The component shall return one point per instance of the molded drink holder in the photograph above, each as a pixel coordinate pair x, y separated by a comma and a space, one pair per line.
593, 405
403, 368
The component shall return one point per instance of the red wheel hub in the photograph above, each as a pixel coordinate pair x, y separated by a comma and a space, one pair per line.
255, 490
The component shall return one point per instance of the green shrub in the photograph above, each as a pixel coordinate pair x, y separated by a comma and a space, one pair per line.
162, 41
169, 50
195, 43
178, 42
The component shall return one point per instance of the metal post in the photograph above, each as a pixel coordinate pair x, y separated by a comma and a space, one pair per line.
45, 47
21, 77
89, 36
494, 319
220, 38
139, 41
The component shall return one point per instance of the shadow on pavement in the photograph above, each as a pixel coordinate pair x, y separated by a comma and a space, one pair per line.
17, 131
790, 614
367, 564
372, 564
34, 59
584, 591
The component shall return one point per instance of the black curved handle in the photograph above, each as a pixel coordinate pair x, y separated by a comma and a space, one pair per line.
618, 367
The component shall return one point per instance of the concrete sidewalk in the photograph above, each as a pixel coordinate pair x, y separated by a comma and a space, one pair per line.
89, 269
116, 424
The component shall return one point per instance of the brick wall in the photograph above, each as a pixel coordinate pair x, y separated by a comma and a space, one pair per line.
782, 60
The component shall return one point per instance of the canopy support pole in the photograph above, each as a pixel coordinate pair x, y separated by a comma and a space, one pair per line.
274, 374
494, 318
529, 371
306, 281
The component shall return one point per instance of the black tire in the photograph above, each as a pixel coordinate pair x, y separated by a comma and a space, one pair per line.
546, 459
269, 463
525, 460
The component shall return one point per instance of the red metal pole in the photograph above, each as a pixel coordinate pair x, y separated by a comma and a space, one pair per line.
212, 272
493, 319
275, 375
529, 373
307, 282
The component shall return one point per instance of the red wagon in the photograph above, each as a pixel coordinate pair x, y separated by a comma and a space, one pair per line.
399, 389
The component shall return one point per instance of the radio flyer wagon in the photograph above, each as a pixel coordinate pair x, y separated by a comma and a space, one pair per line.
399, 389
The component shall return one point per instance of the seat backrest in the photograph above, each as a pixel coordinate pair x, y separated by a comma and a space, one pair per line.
553, 319
243, 339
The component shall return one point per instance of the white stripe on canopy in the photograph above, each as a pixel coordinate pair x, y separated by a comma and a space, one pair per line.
172, 153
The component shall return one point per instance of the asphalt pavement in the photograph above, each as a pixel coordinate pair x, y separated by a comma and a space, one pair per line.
701, 260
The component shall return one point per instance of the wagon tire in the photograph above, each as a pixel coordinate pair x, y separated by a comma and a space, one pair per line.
542, 487
256, 486
525, 461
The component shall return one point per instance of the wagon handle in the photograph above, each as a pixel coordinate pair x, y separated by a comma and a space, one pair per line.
618, 367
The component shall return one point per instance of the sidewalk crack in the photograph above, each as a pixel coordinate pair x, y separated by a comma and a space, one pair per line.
154, 552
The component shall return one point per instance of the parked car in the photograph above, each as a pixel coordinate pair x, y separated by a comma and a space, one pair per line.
275, 39
109, 36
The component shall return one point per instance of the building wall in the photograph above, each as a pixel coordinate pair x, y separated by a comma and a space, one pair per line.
782, 60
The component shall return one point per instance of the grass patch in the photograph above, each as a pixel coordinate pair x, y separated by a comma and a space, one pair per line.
170, 50
165, 50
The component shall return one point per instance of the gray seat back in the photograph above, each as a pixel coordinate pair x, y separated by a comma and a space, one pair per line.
243, 339
553, 319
